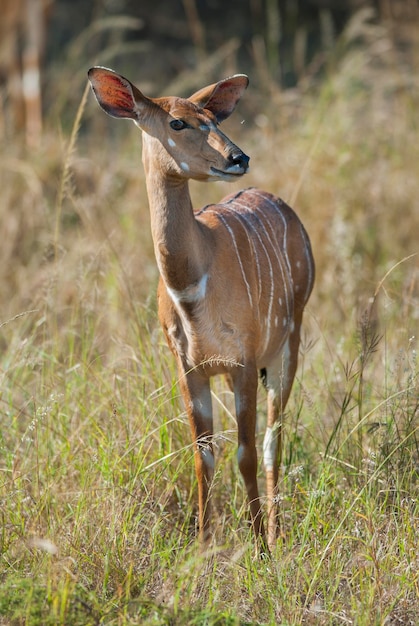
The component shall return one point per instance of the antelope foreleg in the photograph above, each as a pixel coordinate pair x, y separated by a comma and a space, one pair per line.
197, 397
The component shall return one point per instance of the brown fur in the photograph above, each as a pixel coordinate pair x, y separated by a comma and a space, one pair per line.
235, 276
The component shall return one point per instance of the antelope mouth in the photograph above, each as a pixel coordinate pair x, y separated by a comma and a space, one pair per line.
234, 171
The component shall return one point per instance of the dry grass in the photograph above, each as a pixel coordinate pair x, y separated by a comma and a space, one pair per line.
96, 475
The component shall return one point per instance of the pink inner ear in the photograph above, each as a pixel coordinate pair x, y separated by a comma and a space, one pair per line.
221, 98
227, 85
226, 96
223, 102
118, 94
113, 93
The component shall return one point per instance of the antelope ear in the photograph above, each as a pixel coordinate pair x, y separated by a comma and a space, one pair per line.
221, 98
116, 95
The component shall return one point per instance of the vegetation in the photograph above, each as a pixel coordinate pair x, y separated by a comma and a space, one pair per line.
97, 486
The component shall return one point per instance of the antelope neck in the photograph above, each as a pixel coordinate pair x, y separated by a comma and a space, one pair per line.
180, 244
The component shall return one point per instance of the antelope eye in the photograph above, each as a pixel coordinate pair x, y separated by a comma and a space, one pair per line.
178, 124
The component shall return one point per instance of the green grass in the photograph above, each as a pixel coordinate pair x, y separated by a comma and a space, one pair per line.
97, 487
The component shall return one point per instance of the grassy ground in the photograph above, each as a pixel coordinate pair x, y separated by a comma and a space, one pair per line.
97, 488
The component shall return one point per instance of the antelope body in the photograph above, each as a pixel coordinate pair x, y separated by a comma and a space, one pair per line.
234, 276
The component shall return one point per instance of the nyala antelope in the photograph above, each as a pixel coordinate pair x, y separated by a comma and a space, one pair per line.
234, 277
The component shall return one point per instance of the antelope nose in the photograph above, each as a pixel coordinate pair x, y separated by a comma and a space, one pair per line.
241, 159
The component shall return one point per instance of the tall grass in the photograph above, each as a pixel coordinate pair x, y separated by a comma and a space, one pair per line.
97, 488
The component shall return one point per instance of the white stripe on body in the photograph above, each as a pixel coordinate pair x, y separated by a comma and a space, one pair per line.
279, 257
307, 247
192, 293
258, 222
280, 254
245, 213
275, 206
252, 241
231, 233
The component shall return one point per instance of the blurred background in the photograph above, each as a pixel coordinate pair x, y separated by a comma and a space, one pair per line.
176, 44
